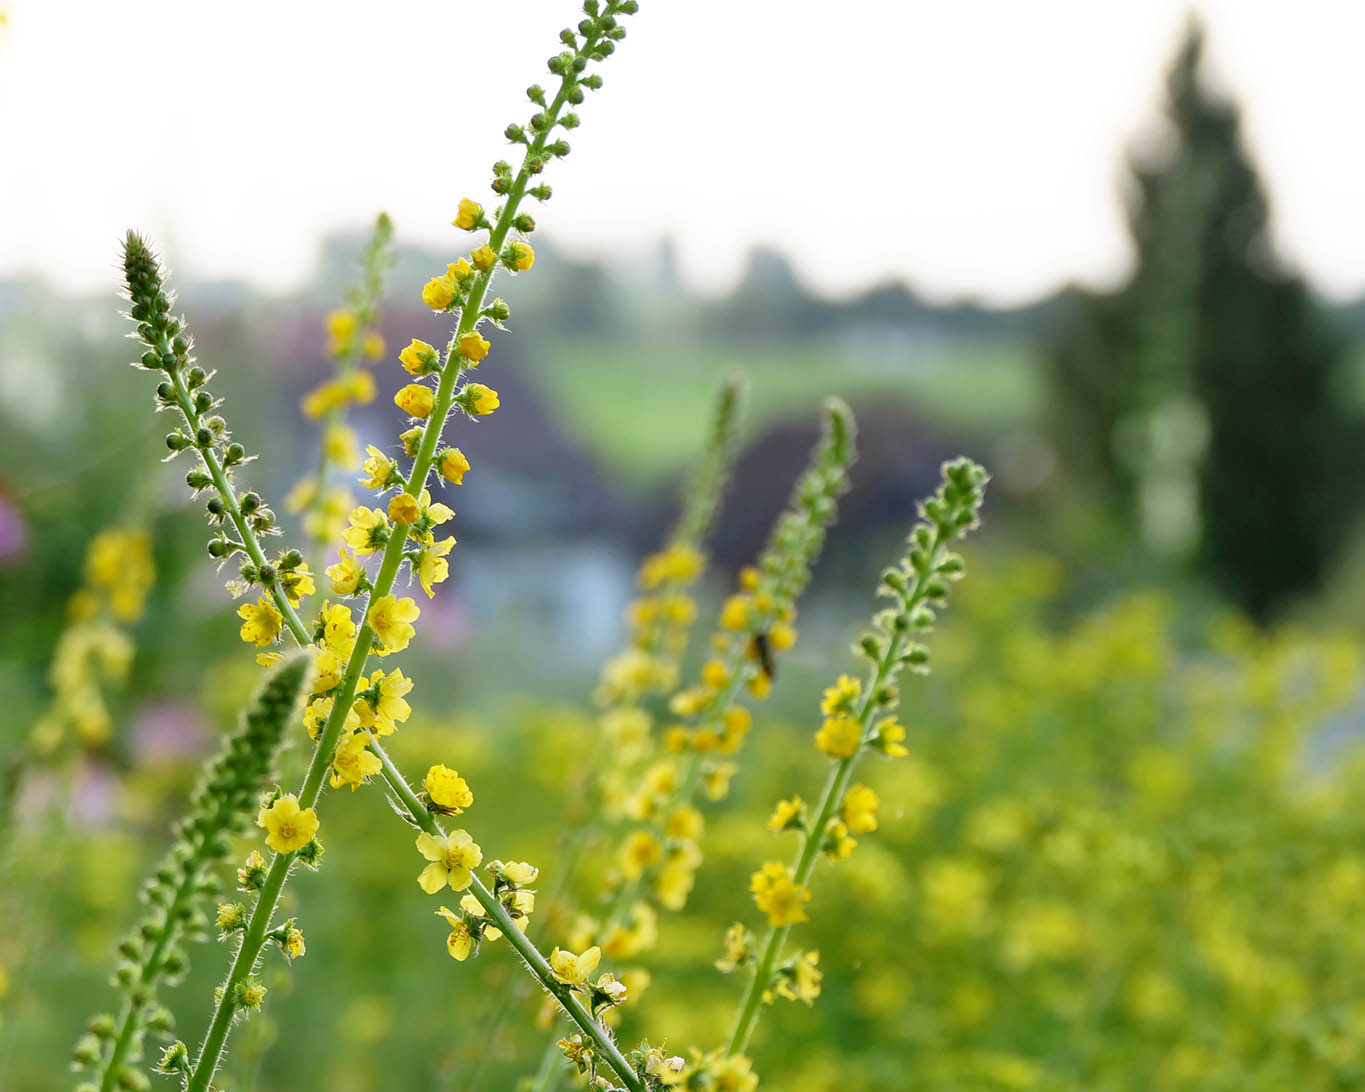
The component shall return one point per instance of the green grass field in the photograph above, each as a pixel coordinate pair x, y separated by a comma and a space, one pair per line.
656, 396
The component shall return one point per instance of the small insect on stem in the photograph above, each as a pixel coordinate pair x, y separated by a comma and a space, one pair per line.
762, 651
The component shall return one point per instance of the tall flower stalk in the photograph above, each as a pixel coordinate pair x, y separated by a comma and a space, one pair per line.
858, 718
659, 851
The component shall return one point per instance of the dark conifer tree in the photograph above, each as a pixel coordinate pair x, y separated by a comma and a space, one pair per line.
1211, 321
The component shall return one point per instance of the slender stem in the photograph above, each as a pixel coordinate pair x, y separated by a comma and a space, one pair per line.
836, 784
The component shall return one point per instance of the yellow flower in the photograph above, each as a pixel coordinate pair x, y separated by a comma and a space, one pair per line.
838, 843
778, 895
840, 697
714, 674
716, 781
522, 254
678, 564
298, 583
230, 915
577, 1051
294, 945
339, 445
480, 400
372, 346
760, 685
338, 628
378, 469
459, 270
341, 328
782, 637
437, 513
419, 358
638, 933
737, 722
353, 762
452, 857
346, 574
252, 873
802, 981
483, 257
461, 938
640, 850
359, 387
860, 809
322, 398
415, 400
574, 970
674, 881
473, 347
448, 791
433, 568
888, 738
518, 871
315, 716
368, 532
451, 465
738, 946
261, 622
787, 815
468, 216
287, 827
412, 440
839, 736
389, 708
391, 619
735, 613
404, 509
686, 822
687, 703
439, 292
304, 492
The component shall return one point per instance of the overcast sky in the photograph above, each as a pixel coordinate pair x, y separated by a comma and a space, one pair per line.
972, 148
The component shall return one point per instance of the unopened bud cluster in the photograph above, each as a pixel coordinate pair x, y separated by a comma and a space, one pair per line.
222, 805
238, 519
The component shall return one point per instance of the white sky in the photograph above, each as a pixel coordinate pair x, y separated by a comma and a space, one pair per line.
972, 148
